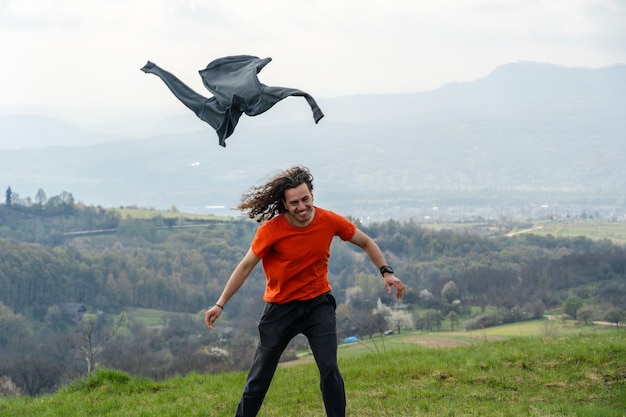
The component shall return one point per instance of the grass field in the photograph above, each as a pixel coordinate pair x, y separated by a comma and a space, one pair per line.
614, 231
150, 317
592, 229
408, 340
144, 213
577, 372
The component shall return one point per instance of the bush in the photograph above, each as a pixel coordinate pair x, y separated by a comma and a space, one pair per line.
103, 378
483, 321
8, 388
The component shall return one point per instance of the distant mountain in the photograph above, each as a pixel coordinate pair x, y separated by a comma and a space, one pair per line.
529, 139
24, 130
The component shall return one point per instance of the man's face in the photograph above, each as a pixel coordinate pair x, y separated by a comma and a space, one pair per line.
299, 205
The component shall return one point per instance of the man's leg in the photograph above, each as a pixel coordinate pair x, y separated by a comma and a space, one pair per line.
258, 382
322, 335
275, 332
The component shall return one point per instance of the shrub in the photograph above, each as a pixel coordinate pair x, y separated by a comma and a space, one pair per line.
8, 387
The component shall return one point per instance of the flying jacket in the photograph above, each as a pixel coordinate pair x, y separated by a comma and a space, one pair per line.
236, 90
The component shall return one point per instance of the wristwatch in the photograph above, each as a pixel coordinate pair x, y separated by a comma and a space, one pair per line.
385, 269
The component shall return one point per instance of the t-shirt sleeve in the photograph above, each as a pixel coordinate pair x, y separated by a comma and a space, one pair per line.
260, 243
345, 228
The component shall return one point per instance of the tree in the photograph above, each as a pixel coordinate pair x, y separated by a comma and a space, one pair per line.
431, 320
67, 199
9, 197
54, 318
35, 376
450, 292
585, 314
14, 328
615, 315
355, 297
40, 198
426, 299
399, 319
571, 306
453, 317
93, 341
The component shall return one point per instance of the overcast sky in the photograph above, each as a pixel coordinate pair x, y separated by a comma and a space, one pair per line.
87, 53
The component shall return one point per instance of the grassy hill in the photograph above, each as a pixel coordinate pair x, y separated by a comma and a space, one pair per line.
580, 372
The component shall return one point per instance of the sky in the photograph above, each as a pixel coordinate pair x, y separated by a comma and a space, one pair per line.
74, 56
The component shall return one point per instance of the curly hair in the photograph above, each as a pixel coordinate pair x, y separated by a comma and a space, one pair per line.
263, 202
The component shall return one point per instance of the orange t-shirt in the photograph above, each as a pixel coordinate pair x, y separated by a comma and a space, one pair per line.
295, 259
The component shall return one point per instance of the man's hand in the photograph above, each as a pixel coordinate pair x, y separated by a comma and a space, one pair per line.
211, 315
391, 280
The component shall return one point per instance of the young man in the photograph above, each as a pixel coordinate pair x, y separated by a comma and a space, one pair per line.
293, 242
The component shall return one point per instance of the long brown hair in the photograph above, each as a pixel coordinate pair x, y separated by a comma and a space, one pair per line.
266, 201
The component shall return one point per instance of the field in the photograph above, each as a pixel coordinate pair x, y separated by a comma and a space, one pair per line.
152, 318
508, 371
592, 229
146, 213
614, 231
408, 340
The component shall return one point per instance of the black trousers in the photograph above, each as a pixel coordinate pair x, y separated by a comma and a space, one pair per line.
278, 325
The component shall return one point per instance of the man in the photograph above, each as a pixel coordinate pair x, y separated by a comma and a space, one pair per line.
294, 243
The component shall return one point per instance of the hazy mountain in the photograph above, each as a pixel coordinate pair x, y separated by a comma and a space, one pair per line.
528, 139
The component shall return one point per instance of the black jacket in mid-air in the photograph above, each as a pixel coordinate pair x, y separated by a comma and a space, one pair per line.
236, 90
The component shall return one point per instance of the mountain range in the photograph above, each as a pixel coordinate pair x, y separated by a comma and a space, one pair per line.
530, 139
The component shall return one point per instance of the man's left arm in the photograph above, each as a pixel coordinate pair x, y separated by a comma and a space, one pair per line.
378, 258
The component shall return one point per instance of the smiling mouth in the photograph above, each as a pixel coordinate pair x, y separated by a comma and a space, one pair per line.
304, 215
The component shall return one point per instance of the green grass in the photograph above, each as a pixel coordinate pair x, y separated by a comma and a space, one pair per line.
542, 327
146, 213
151, 317
591, 228
575, 374
614, 231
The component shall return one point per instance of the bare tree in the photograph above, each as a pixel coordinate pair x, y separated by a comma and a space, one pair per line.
40, 197
93, 341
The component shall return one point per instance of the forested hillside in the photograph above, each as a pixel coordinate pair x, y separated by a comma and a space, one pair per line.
67, 254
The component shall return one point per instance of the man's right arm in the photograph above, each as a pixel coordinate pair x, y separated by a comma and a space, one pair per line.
236, 280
